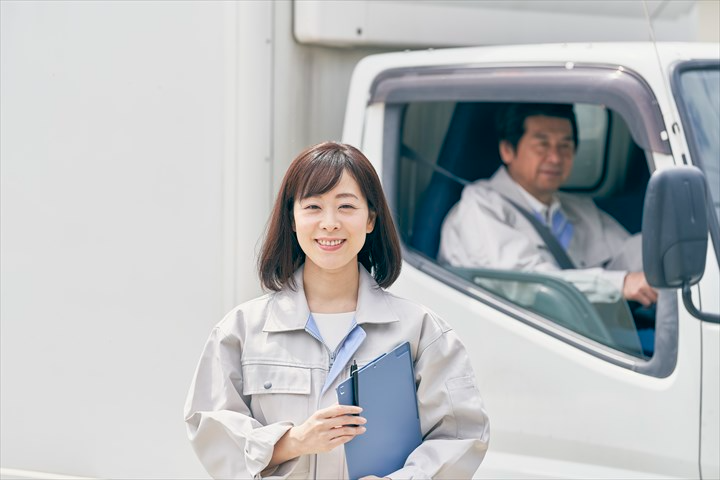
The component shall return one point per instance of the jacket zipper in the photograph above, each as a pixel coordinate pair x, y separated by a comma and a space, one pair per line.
331, 361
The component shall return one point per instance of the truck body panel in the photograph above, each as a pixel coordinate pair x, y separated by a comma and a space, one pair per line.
557, 410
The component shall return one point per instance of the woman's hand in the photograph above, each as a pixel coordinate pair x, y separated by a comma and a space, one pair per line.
323, 431
373, 477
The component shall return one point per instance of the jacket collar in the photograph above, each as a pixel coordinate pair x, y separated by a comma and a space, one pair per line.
502, 182
289, 309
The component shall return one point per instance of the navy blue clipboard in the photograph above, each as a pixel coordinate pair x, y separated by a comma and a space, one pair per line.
387, 396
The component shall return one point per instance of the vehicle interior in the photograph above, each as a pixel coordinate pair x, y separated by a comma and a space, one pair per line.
446, 145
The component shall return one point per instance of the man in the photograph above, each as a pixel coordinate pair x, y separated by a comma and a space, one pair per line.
486, 229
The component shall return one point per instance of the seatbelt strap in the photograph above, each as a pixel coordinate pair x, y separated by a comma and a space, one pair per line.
557, 251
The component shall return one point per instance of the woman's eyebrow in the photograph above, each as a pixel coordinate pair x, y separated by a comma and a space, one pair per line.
346, 195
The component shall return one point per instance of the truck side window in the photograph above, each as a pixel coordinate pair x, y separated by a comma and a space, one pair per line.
446, 145
696, 85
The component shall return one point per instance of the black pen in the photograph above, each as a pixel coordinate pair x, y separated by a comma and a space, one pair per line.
354, 376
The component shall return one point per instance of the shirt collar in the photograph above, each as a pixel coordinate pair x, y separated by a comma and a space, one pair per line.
544, 210
289, 309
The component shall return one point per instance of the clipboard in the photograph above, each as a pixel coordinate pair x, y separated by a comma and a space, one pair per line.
386, 393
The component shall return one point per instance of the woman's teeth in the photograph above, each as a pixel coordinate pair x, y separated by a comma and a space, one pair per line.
329, 243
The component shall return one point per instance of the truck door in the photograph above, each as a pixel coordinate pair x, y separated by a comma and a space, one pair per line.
572, 387
696, 88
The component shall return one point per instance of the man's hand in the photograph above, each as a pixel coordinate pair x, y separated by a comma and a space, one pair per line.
636, 288
323, 431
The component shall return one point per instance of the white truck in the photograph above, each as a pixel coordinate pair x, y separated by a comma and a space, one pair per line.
573, 389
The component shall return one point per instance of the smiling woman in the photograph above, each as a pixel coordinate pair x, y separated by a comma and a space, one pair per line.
331, 228
263, 401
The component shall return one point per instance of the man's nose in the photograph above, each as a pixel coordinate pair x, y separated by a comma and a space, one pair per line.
554, 155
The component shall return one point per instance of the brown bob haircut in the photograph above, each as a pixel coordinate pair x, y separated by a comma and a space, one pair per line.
316, 171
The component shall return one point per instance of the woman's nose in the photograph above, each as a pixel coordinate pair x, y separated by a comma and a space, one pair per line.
329, 221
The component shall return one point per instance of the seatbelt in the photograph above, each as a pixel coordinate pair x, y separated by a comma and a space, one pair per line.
411, 154
557, 251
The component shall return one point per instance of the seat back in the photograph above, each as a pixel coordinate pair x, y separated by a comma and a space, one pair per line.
626, 206
469, 151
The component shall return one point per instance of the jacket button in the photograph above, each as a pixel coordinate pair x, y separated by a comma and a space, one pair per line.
267, 385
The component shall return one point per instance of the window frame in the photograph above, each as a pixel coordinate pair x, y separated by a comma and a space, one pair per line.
628, 95
676, 86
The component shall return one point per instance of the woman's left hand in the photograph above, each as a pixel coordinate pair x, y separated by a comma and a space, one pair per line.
373, 477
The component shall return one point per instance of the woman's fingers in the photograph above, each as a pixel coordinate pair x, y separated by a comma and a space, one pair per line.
349, 432
346, 420
338, 410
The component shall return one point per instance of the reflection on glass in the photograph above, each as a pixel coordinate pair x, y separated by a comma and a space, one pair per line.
608, 323
700, 91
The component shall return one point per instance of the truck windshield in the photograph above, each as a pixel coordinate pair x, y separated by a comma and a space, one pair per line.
699, 89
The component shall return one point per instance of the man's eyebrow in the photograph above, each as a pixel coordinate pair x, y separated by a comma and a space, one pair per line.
544, 136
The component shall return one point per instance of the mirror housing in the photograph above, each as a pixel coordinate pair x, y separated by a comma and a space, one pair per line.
675, 228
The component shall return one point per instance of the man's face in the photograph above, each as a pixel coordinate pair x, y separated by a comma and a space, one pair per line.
543, 158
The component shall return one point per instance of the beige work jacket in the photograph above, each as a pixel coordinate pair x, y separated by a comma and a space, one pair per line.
261, 373
484, 230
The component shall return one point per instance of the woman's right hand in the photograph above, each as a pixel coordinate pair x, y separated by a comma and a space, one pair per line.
323, 431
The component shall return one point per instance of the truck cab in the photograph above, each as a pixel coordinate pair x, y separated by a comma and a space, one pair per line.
574, 386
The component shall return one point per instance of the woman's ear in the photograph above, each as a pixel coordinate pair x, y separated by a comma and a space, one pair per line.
371, 222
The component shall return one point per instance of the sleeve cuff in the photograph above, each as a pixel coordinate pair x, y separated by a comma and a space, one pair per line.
260, 445
616, 278
409, 473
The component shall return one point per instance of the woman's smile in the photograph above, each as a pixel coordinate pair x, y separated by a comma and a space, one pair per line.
331, 227
330, 244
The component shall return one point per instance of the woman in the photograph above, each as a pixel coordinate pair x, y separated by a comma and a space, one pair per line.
263, 401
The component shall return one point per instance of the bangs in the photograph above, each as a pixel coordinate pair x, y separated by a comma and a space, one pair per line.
322, 174
315, 171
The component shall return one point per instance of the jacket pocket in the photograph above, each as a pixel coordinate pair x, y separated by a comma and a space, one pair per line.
279, 393
260, 379
466, 403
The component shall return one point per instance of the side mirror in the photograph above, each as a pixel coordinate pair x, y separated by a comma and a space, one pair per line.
675, 231
675, 227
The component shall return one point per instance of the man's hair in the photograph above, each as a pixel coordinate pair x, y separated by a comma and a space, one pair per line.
510, 119
315, 171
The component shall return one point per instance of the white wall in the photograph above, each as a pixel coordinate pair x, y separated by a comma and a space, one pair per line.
141, 146
113, 125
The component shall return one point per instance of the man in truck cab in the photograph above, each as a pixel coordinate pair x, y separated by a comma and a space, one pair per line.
519, 220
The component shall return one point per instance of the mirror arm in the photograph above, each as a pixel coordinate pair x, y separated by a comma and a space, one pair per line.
690, 306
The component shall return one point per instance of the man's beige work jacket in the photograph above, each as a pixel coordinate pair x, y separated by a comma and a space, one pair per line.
262, 372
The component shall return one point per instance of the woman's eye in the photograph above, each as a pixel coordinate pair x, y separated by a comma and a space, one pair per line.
312, 207
347, 206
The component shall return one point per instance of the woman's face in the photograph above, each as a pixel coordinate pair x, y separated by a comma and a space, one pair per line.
331, 228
